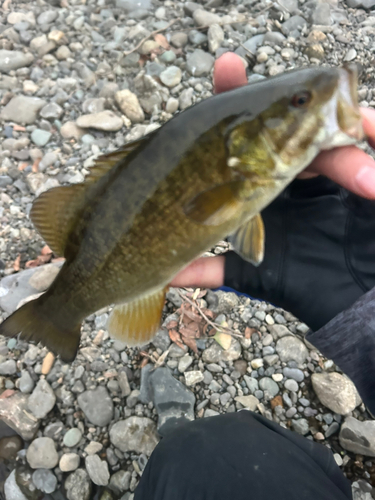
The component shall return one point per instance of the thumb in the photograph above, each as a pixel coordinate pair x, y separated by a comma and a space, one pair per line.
206, 272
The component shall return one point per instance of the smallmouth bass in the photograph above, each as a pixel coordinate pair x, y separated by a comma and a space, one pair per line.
150, 208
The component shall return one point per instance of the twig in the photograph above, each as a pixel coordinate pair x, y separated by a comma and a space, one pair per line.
247, 50
224, 329
151, 35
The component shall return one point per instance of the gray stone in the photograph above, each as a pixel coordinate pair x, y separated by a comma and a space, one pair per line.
249, 402
136, 434
179, 39
133, 5
97, 470
215, 353
14, 59
106, 120
204, 18
274, 37
93, 447
78, 485
215, 37
252, 383
288, 5
22, 109
253, 43
173, 402
279, 331
162, 340
266, 384
322, 14
171, 76
42, 399
293, 23
197, 37
11, 489
8, 367
72, 437
358, 437
26, 383
97, 406
294, 373
301, 426
291, 348
133, 398
120, 481
40, 137
336, 392
51, 111
42, 454
14, 411
123, 381
17, 287
184, 363
47, 161
69, 462
186, 98
5, 180
45, 480
291, 385
199, 63
47, 17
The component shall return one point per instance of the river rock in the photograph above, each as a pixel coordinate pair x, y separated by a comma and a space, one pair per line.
42, 454
215, 37
171, 76
250, 402
336, 392
136, 434
22, 109
97, 406
204, 18
129, 105
358, 437
199, 63
98, 470
14, 411
173, 402
14, 59
11, 489
290, 348
42, 399
215, 353
106, 120
69, 462
8, 367
78, 485
45, 480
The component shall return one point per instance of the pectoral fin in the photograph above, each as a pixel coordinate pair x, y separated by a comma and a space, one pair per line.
248, 240
137, 322
215, 206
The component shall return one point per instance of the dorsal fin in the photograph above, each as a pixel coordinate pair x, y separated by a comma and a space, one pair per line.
55, 212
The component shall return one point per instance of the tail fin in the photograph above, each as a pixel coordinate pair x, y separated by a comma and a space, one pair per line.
34, 324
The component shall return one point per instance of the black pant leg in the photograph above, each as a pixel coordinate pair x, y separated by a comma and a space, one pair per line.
240, 456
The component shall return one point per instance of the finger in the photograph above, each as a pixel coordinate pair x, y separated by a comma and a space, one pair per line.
207, 272
229, 72
350, 167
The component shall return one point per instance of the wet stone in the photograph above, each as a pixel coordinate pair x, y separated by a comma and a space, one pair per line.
42, 399
97, 406
136, 434
45, 480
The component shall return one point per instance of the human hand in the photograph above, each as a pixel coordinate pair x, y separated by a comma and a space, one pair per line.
348, 166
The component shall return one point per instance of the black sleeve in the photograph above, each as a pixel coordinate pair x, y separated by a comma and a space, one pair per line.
319, 254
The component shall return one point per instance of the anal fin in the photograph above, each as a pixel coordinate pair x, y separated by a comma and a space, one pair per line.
248, 240
136, 323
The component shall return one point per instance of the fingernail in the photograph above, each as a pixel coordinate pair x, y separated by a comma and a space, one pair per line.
366, 181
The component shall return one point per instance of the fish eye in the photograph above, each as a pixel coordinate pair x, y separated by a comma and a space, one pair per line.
301, 99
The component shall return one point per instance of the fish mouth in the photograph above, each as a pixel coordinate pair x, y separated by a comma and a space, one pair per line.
348, 114
342, 114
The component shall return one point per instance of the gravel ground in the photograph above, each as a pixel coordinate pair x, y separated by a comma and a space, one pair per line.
82, 77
